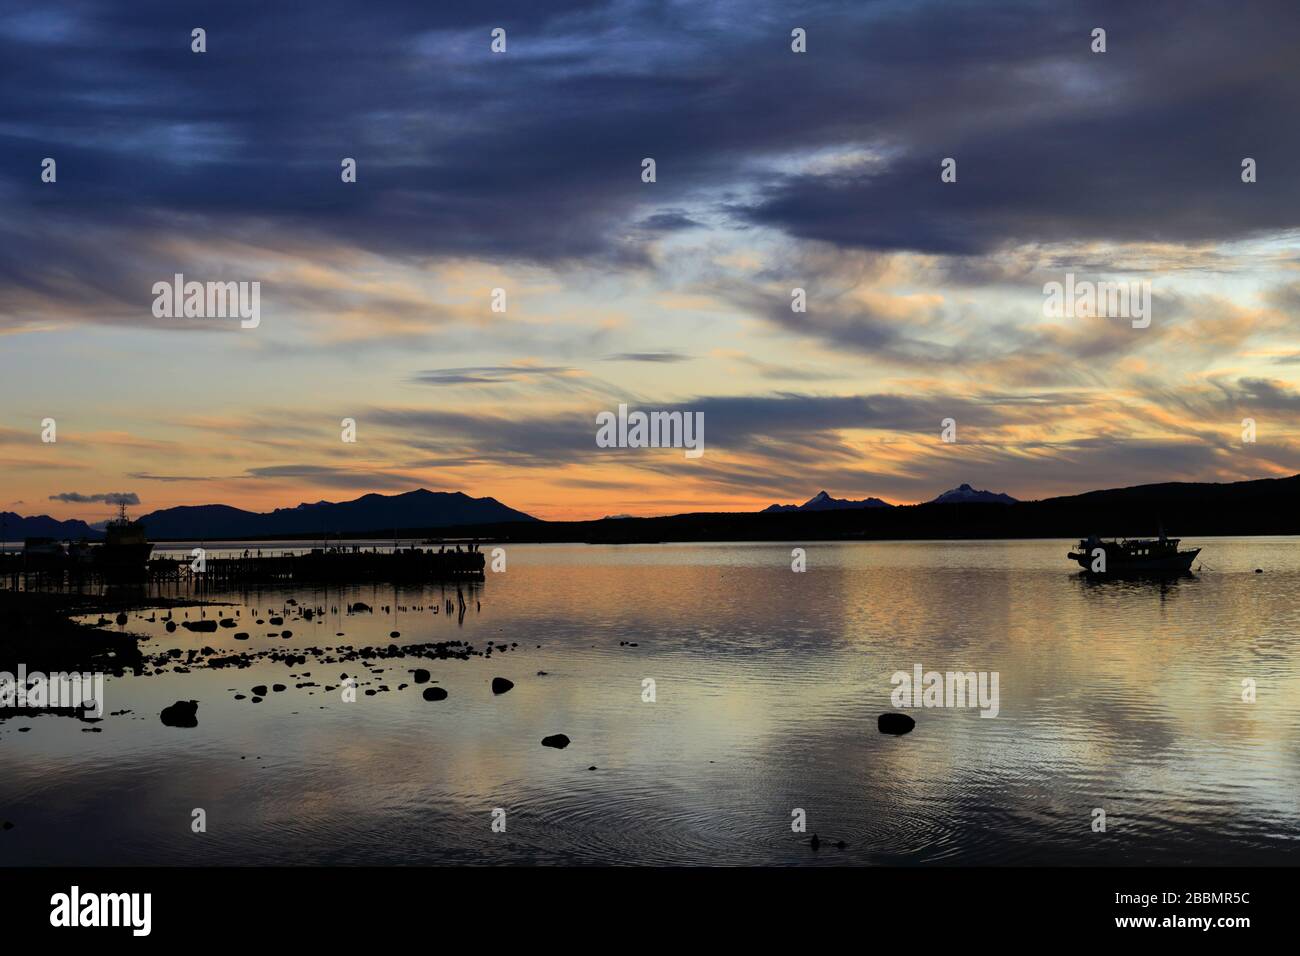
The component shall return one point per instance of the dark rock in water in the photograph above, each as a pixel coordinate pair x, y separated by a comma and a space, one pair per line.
199, 625
286, 633
121, 618
260, 690
359, 607
421, 676
228, 622
183, 713
840, 845
241, 636
435, 693
896, 724
276, 621
814, 842
257, 700
541, 673
591, 768
558, 741
277, 687
500, 685
171, 626
394, 633
1259, 570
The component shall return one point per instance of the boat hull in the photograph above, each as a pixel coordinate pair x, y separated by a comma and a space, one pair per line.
122, 560
1179, 563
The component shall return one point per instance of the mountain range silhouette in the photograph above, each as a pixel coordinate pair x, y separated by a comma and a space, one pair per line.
373, 513
1256, 507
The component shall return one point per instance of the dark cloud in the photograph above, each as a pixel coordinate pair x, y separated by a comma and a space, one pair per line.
535, 154
173, 161
671, 221
1261, 394
111, 498
648, 357
1054, 143
485, 374
773, 424
350, 478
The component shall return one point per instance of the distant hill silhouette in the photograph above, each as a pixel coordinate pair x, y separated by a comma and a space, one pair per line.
14, 527
369, 514
824, 502
965, 493
1185, 509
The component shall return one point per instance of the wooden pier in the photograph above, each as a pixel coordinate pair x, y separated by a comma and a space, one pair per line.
339, 565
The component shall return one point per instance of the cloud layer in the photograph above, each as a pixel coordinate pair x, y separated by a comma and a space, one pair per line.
521, 171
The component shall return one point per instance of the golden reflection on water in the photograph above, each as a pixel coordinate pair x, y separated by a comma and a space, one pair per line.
1120, 695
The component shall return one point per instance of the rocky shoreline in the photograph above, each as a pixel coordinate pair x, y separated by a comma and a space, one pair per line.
37, 630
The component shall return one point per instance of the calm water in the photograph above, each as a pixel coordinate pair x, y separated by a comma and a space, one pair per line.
1123, 696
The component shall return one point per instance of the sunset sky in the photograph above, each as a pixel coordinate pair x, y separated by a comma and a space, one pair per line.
522, 171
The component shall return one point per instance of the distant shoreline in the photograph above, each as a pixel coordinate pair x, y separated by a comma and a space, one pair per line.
407, 540
1269, 506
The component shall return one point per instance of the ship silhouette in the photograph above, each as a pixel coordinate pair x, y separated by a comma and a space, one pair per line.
1133, 556
125, 551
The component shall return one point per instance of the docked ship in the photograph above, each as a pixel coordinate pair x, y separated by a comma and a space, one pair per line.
125, 550
1134, 556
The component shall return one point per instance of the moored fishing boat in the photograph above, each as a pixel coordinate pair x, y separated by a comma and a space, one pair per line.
1133, 556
